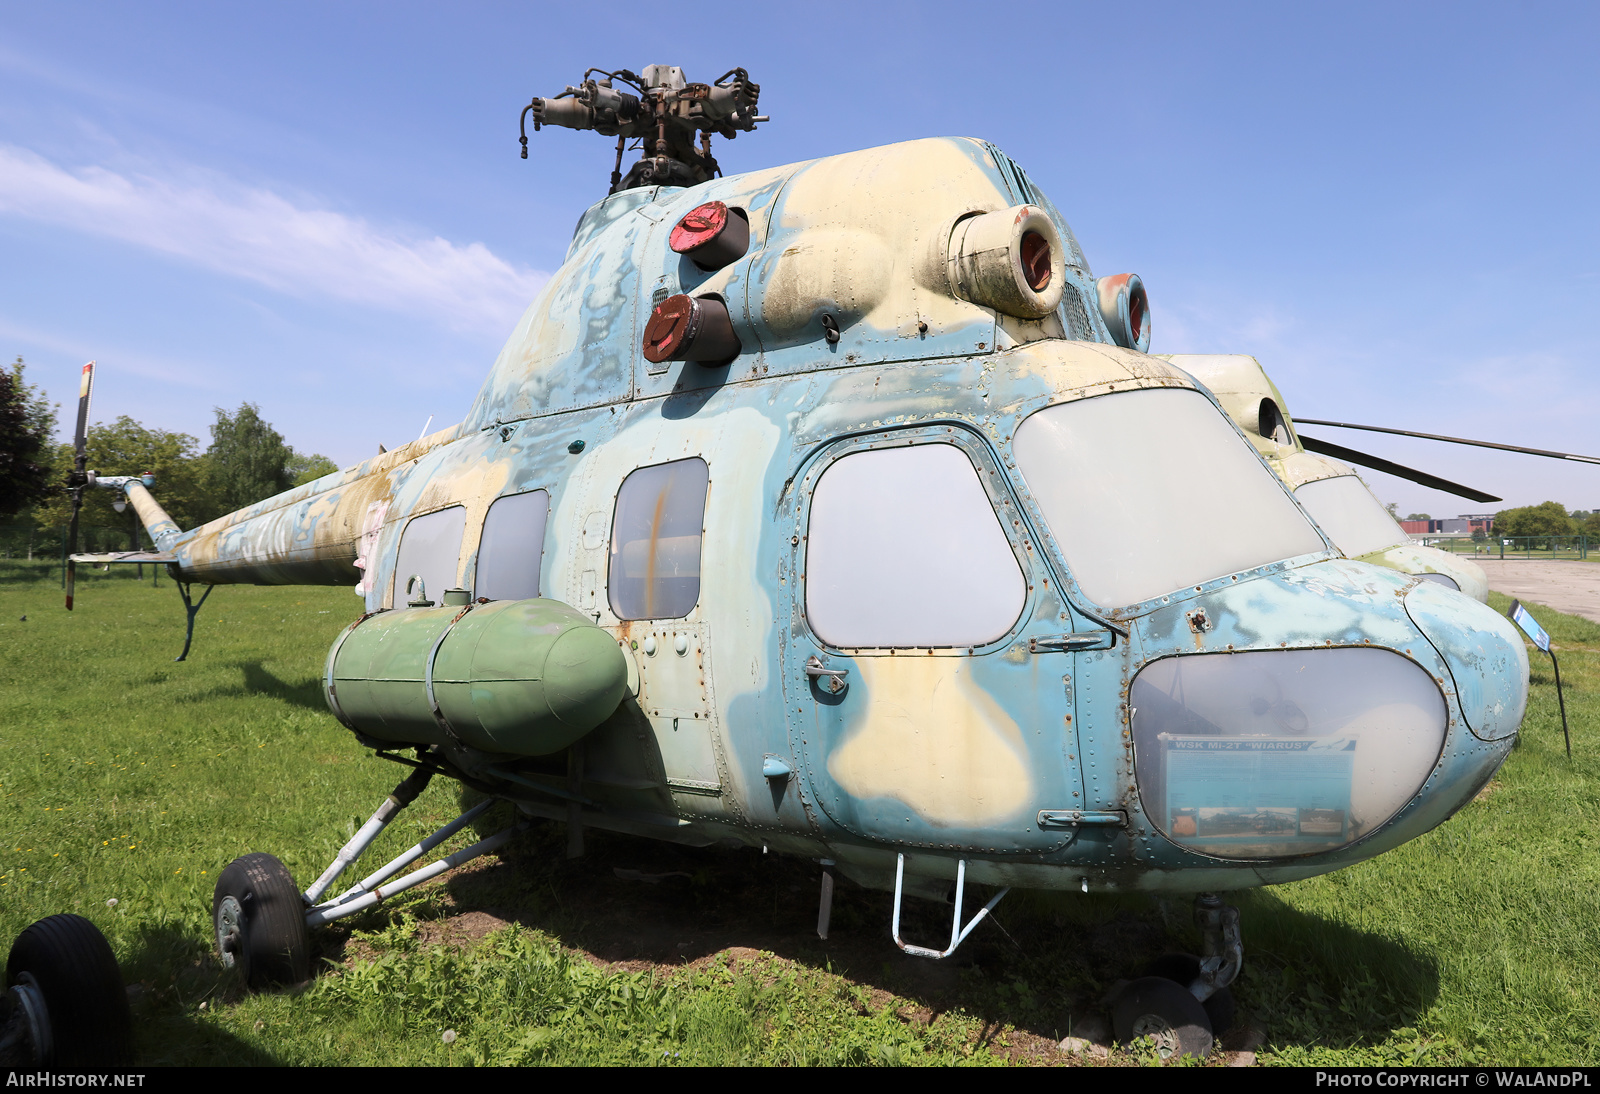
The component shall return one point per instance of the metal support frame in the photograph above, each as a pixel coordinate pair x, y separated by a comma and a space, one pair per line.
1565, 733
958, 933
364, 896
1224, 956
192, 608
403, 795
825, 902
371, 889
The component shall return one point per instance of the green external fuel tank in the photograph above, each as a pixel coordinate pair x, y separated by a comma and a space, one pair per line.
514, 677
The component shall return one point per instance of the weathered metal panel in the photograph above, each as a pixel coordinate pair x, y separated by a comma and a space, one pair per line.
572, 407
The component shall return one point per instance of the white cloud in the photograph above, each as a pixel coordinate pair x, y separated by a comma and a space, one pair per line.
258, 235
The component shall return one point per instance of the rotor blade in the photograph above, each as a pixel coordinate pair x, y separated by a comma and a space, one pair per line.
1456, 440
85, 389
1350, 455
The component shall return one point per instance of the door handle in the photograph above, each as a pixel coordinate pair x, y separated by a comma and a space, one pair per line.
1066, 643
831, 680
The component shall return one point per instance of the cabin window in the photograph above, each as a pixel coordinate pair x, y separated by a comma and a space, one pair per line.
1146, 492
655, 541
904, 550
1356, 521
430, 547
512, 547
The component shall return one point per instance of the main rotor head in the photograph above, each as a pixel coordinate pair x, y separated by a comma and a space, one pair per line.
665, 119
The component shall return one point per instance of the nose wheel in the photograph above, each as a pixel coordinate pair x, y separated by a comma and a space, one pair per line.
1184, 968
1183, 1001
1164, 1011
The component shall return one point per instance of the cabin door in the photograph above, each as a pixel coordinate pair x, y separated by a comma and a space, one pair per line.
923, 717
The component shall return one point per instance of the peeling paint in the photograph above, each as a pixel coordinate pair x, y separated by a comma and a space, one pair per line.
943, 752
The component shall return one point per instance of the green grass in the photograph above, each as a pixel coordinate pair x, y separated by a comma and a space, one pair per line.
126, 777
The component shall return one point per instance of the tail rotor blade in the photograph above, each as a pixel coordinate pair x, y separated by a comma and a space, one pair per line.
1388, 467
81, 438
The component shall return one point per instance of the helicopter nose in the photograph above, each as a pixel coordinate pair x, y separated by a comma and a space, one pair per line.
1487, 660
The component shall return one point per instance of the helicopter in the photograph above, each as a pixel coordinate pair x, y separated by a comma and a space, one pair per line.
1343, 506
838, 509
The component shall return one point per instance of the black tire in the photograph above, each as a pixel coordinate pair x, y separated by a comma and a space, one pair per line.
70, 964
259, 919
1156, 1007
1182, 968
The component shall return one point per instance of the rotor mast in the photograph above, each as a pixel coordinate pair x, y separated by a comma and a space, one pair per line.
667, 119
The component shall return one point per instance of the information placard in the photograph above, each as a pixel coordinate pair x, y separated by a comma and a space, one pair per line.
1292, 792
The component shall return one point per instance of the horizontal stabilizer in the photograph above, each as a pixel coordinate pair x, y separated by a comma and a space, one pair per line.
110, 557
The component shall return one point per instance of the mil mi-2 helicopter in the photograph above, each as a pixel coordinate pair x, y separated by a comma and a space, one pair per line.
837, 508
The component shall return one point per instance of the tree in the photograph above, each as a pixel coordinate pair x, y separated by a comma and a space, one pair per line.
248, 460
1418, 516
27, 421
1545, 519
303, 469
125, 447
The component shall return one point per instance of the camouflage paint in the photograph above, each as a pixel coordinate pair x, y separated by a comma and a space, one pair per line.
941, 753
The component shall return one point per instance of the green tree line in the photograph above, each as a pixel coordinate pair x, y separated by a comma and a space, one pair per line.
246, 461
1548, 518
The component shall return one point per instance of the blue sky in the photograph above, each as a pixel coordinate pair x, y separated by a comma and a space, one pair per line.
319, 208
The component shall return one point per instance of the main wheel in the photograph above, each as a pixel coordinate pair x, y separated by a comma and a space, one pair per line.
1158, 1008
1183, 968
65, 963
260, 922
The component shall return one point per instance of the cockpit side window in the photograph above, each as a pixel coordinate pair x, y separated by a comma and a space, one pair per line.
430, 548
904, 550
654, 571
512, 547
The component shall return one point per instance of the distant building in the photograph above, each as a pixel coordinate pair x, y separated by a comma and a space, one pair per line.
1464, 525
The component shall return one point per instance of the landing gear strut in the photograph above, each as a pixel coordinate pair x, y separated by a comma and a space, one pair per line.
262, 920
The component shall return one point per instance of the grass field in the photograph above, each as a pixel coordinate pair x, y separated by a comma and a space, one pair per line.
127, 782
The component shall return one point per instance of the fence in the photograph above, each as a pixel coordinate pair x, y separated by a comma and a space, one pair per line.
1535, 548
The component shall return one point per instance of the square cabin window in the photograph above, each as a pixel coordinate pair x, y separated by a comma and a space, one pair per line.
512, 547
655, 541
430, 548
904, 550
